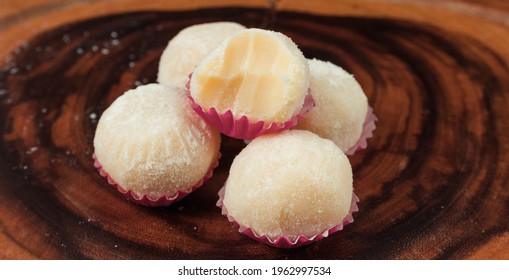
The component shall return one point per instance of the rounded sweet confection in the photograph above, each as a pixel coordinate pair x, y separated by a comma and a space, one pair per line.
292, 183
255, 73
341, 105
150, 142
189, 47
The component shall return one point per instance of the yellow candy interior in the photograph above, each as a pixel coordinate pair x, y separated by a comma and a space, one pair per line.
252, 75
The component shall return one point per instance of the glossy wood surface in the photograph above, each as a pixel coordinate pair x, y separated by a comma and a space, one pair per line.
433, 182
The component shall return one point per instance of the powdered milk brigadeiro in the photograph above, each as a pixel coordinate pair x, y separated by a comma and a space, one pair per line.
152, 144
189, 47
341, 105
255, 73
291, 183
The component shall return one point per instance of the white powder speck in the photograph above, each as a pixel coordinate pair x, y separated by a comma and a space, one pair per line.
66, 38
115, 42
113, 34
14, 70
3, 92
93, 116
105, 51
137, 83
79, 50
131, 64
44, 110
25, 167
31, 150
95, 48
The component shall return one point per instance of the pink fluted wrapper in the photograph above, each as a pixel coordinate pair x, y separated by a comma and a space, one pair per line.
367, 132
283, 241
243, 128
163, 200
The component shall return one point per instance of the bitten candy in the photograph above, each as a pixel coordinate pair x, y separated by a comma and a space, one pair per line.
189, 47
153, 147
341, 105
257, 74
292, 185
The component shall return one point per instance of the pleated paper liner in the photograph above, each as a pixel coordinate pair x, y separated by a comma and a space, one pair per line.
242, 127
283, 241
163, 200
367, 132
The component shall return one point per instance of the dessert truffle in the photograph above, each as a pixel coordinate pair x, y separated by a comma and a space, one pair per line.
341, 105
153, 146
257, 74
289, 184
189, 47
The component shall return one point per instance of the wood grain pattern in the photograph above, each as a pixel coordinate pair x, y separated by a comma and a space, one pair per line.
433, 182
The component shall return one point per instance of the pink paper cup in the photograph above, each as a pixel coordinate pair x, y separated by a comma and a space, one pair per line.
143, 199
283, 241
367, 132
242, 127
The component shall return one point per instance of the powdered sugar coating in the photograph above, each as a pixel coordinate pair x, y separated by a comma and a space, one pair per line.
341, 105
189, 47
289, 184
151, 142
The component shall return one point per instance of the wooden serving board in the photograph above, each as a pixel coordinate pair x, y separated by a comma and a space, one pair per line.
433, 182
